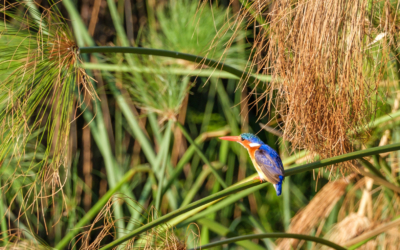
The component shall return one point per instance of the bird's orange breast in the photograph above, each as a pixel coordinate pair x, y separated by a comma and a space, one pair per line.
252, 151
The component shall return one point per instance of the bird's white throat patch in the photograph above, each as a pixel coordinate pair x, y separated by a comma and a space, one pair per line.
254, 145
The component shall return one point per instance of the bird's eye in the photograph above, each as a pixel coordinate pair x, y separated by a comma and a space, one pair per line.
242, 138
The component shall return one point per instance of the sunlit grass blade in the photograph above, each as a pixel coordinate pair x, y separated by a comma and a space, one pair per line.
249, 184
176, 71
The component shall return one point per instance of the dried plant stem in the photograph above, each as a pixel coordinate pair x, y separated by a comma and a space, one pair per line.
272, 235
362, 239
381, 181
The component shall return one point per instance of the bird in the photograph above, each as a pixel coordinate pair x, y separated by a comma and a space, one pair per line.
265, 160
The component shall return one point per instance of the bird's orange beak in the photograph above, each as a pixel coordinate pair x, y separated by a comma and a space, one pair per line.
231, 138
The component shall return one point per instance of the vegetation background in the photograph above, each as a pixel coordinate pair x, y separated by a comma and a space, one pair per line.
99, 146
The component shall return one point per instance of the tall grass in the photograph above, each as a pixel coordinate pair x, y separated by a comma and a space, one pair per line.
159, 177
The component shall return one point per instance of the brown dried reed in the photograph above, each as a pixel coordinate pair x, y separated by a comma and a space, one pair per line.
325, 83
319, 207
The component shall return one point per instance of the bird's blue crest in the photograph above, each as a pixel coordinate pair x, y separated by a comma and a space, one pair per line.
251, 138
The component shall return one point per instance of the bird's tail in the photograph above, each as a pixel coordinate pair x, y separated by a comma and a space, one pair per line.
278, 187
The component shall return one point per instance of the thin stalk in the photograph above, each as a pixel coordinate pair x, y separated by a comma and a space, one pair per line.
386, 168
98, 206
272, 235
118, 24
341, 158
34, 11
174, 71
202, 156
100, 136
286, 189
257, 16
249, 184
381, 181
166, 141
154, 125
371, 168
172, 54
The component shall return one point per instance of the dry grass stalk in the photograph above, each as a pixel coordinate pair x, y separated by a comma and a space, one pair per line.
319, 207
352, 226
16, 241
355, 223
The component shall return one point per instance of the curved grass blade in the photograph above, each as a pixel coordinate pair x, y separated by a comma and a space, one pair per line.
176, 71
272, 235
172, 54
224, 231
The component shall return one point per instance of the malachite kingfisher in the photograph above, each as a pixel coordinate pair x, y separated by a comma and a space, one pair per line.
265, 160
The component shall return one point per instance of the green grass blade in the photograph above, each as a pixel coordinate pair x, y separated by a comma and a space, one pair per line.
197, 185
172, 54
81, 34
164, 155
202, 156
188, 155
272, 235
134, 124
226, 202
175, 71
341, 158
3, 224
371, 168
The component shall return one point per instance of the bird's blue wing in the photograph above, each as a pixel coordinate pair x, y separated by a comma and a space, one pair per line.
270, 164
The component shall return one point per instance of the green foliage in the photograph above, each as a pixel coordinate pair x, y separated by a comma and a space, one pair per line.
38, 59
197, 28
152, 137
